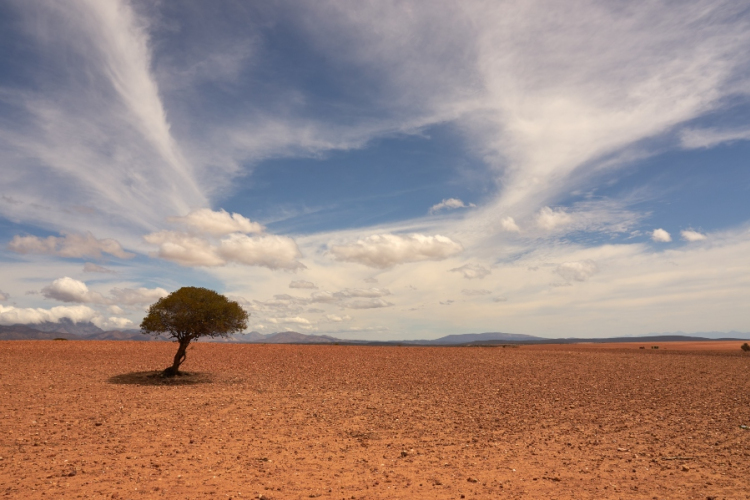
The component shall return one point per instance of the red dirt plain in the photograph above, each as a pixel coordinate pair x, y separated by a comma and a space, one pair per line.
77, 420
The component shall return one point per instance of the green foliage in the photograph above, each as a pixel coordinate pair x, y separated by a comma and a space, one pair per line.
745, 347
191, 312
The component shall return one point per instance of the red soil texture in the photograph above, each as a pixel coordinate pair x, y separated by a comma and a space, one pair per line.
87, 420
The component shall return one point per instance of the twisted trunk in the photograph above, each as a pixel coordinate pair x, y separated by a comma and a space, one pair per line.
179, 358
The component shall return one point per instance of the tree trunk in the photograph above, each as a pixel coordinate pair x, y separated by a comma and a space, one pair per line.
179, 358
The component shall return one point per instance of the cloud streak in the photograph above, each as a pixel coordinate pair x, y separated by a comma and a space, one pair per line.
70, 245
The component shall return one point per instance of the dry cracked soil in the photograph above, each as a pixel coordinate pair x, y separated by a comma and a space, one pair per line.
89, 420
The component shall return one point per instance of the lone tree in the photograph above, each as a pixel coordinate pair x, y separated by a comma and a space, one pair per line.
190, 313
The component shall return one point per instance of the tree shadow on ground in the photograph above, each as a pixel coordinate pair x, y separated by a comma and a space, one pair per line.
155, 378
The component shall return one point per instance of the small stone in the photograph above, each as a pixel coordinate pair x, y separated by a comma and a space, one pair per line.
685, 468
403, 454
472, 480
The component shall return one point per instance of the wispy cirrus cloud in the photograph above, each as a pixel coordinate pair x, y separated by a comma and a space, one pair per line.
70, 245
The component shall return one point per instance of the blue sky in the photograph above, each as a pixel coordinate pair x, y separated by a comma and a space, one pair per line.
379, 170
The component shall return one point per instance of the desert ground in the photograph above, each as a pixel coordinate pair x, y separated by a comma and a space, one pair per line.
86, 420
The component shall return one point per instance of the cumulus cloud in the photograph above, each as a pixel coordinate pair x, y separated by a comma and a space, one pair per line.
271, 251
690, 235
475, 292
472, 271
388, 250
302, 284
71, 290
90, 267
185, 249
14, 315
450, 204
69, 245
550, 219
267, 250
508, 224
217, 223
338, 319
367, 304
577, 271
4, 296
112, 323
115, 310
661, 236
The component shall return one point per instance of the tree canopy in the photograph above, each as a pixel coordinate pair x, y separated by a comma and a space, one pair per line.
190, 313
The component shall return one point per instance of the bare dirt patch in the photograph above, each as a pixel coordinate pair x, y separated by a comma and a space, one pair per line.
81, 419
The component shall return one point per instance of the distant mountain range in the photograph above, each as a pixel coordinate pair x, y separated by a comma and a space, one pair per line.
88, 331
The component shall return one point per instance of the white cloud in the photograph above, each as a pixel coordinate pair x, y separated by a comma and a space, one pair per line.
552, 219
218, 223
508, 224
185, 249
4, 296
290, 321
337, 319
97, 126
388, 250
90, 267
15, 315
322, 297
661, 236
112, 323
475, 292
707, 138
266, 250
690, 235
450, 204
367, 304
369, 293
302, 284
271, 251
116, 310
577, 271
71, 290
70, 245
137, 296
472, 271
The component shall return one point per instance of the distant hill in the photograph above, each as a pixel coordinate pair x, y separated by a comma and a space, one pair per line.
65, 325
467, 338
88, 331
298, 338
64, 331
708, 335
